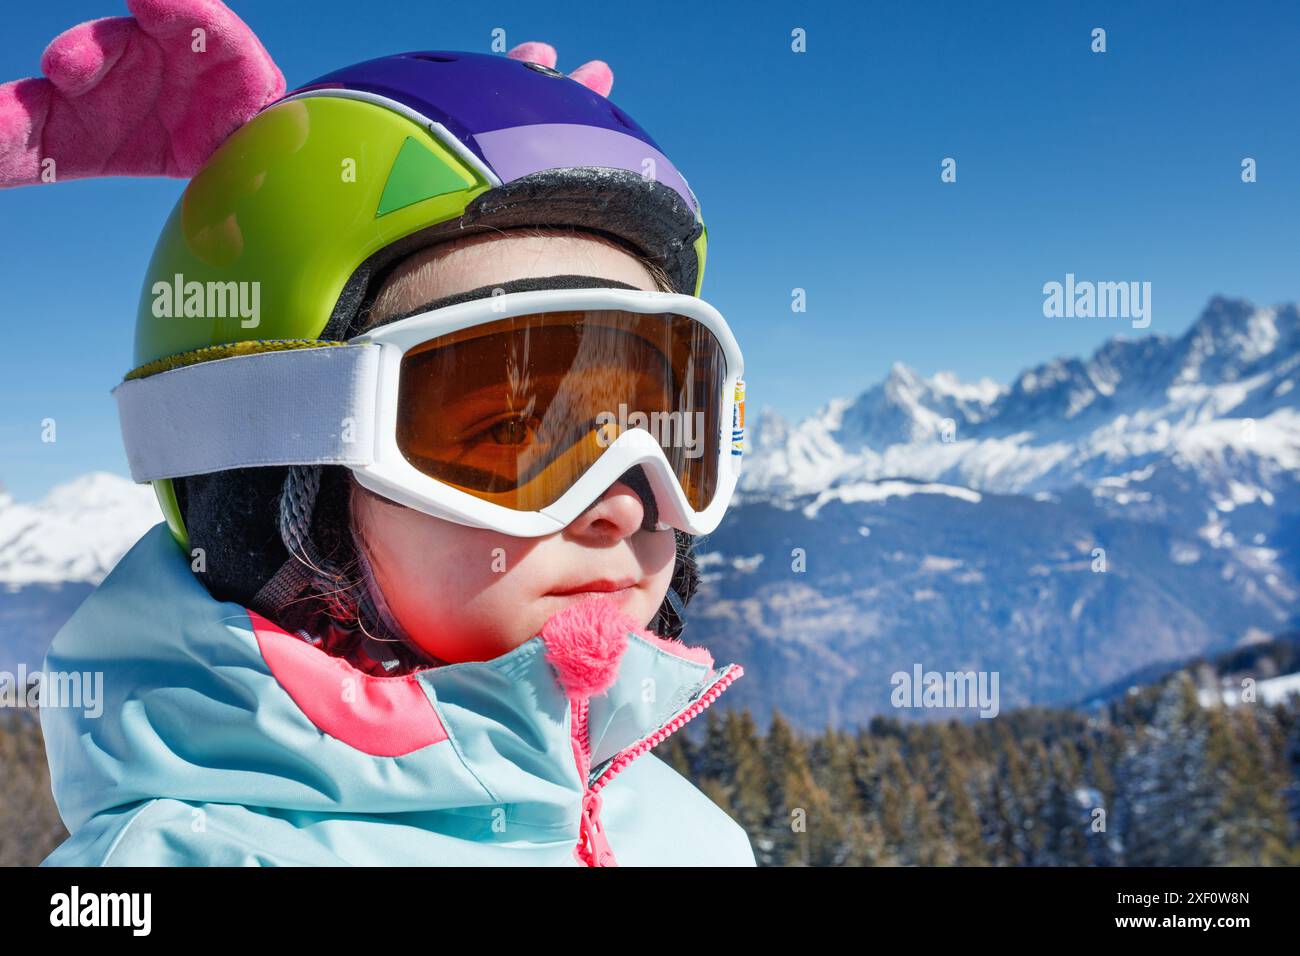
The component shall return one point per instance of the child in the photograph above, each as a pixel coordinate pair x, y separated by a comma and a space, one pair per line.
416, 600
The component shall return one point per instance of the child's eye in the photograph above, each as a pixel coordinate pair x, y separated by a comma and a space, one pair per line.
516, 430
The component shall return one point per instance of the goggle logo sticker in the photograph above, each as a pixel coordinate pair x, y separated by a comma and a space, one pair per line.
738, 420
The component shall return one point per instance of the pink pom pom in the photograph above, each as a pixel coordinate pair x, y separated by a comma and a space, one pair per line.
585, 642
595, 75
534, 52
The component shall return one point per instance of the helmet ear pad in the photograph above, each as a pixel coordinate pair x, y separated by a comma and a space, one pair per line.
233, 520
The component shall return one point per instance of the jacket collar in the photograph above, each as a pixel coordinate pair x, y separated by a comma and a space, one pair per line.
205, 702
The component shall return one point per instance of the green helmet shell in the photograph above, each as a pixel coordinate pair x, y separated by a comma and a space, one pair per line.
286, 210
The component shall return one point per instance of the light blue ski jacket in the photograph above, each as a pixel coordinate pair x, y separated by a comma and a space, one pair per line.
225, 741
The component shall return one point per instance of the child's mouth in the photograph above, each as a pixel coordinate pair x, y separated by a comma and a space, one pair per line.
613, 589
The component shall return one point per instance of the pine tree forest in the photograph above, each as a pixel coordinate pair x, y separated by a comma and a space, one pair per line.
1156, 779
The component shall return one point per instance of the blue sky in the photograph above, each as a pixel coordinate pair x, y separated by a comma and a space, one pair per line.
818, 171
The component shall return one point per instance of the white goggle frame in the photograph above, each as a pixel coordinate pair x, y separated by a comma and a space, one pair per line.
337, 404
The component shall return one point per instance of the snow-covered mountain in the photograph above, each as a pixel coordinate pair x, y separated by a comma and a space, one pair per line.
76, 533
53, 553
1220, 402
1090, 518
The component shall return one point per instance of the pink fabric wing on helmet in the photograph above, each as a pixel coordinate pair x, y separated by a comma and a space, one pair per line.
153, 94
594, 74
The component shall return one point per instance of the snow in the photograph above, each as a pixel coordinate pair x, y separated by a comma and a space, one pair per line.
985, 391
1215, 402
77, 532
1243, 494
1121, 497
1268, 692
882, 490
932, 562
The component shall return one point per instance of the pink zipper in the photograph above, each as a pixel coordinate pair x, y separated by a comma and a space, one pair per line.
593, 848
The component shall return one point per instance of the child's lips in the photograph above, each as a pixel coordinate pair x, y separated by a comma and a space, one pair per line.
603, 586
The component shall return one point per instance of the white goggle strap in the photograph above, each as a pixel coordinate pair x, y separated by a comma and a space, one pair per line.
306, 406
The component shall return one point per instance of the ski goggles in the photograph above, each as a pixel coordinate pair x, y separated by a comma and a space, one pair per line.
513, 412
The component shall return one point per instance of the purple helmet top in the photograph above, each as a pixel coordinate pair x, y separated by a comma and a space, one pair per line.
518, 118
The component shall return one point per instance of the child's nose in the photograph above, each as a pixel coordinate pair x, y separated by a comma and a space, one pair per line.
627, 506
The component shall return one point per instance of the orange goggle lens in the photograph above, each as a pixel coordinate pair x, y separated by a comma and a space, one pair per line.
516, 410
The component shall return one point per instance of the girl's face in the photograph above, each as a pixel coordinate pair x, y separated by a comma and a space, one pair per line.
471, 594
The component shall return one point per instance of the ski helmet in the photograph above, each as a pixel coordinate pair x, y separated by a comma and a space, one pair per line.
300, 213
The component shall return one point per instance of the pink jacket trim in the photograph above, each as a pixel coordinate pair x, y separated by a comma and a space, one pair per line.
380, 716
